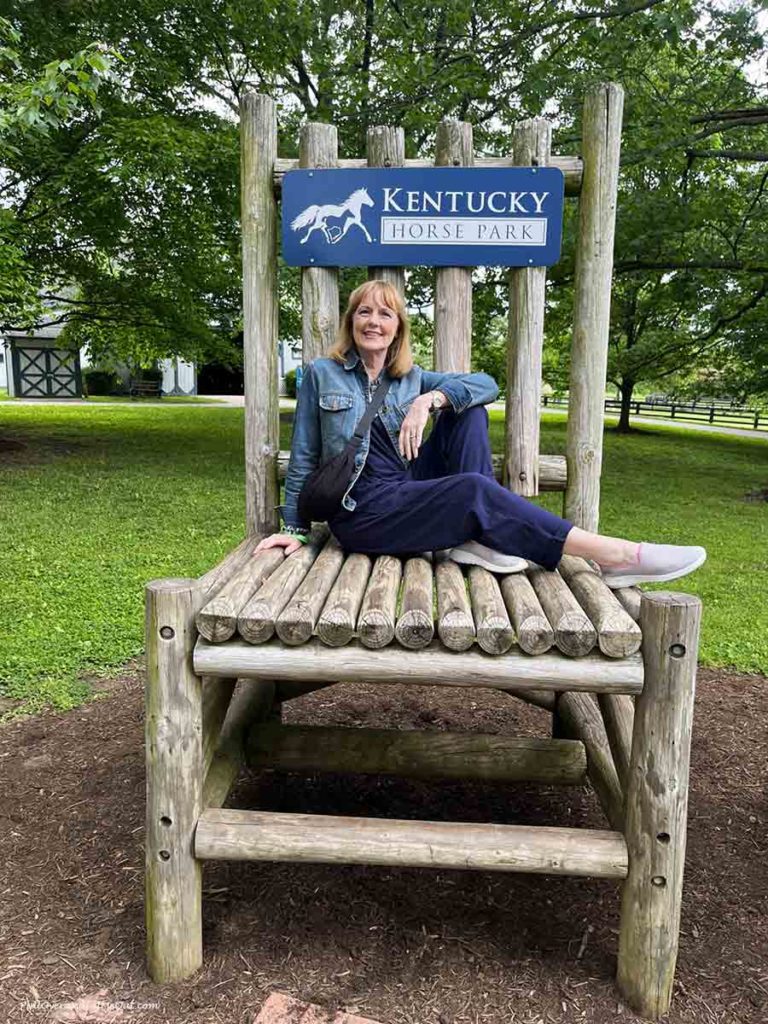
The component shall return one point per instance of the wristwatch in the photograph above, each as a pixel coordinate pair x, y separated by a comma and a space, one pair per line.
438, 401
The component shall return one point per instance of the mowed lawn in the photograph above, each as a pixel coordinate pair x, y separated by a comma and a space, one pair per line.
96, 501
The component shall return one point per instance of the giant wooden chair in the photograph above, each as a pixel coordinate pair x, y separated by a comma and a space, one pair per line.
285, 626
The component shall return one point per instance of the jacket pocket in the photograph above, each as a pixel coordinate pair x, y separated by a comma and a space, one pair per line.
335, 401
337, 421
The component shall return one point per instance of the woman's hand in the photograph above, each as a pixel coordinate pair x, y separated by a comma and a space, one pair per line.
279, 540
412, 430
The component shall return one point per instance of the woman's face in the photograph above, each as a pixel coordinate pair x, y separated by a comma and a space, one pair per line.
374, 325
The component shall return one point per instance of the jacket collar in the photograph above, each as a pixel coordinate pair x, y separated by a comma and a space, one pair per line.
351, 359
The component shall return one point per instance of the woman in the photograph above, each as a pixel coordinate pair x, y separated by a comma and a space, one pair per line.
407, 495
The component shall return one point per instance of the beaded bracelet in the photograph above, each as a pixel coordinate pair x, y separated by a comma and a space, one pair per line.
297, 532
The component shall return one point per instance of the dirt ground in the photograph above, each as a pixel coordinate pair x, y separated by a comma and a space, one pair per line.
400, 946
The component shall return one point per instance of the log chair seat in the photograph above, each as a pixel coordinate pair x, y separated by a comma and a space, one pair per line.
320, 598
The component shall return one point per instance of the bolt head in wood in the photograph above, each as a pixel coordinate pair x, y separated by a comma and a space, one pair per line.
167, 632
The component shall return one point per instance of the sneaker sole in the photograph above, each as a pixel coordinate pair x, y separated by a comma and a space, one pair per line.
632, 580
466, 559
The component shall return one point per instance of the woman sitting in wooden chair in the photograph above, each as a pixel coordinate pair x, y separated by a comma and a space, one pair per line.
407, 495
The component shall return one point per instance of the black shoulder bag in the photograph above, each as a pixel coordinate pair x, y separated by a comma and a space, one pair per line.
320, 497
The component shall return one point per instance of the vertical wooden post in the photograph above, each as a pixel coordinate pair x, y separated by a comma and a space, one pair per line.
258, 135
386, 148
601, 144
318, 147
174, 755
453, 285
532, 142
657, 802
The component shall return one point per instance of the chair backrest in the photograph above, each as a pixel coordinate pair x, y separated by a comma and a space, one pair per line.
592, 178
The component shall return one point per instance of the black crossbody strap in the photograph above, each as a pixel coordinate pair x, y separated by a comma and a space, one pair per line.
373, 407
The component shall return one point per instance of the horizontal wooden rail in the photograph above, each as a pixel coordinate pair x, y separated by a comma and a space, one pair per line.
431, 666
571, 166
553, 471
322, 839
416, 754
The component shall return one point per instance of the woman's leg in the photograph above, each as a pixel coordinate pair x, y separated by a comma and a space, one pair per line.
459, 443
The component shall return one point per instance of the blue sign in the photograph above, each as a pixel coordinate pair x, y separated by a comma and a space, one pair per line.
441, 216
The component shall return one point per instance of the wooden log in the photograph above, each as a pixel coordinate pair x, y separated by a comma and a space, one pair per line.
552, 470
296, 622
601, 145
285, 690
251, 703
630, 598
211, 582
453, 285
657, 802
318, 147
174, 764
571, 166
258, 133
416, 754
538, 698
580, 718
494, 630
376, 623
338, 619
455, 625
415, 626
574, 633
217, 619
618, 711
617, 632
256, 621
216, 696
318, 838
433, 666
531, 145
532, 628
386, 148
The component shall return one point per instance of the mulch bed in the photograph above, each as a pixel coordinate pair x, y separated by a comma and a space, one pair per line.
401, 946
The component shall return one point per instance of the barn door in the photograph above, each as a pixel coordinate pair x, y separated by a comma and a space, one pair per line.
47, 373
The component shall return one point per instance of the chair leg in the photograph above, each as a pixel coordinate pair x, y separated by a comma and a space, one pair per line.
174, 755
657, 802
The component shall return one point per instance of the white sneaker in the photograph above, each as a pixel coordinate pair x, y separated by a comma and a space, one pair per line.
473, 553
655, 563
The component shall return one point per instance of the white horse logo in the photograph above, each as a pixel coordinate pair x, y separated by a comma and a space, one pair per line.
316, 217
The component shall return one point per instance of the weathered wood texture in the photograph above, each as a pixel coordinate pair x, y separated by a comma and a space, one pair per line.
494, 630
630, 598
618, 711
601, 144
386, 148
212, 581
258, 133
453, 285
317, 838
455, 624
318, 147
571, 166
574, 633
532, 628
216, 695
256, 620
552, 470
429, 667
657, 802
252, 701
617, 632
531, 144
217, 619
174, 763
415, 625
376, 624
336, 626
417, 754
298, 619
579, 717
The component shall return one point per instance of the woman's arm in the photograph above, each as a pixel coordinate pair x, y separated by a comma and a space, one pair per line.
306, 447
463, 390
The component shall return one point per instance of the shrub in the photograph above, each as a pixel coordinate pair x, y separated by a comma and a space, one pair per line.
100, 382
290, 383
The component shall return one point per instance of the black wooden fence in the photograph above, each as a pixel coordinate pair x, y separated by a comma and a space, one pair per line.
722, 414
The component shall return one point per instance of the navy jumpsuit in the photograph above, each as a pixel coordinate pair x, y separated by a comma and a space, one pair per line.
446, 496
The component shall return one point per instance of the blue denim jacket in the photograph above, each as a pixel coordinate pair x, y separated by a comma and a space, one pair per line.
332, 401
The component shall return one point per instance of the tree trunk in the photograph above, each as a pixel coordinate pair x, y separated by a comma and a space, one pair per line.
626, 388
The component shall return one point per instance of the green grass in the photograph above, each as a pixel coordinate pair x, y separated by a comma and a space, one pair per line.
4, 395
101, 499
165, 400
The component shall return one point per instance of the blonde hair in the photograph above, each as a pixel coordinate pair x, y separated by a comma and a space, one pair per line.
399, 355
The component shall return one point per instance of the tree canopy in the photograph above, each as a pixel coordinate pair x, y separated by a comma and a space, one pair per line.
125, 215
